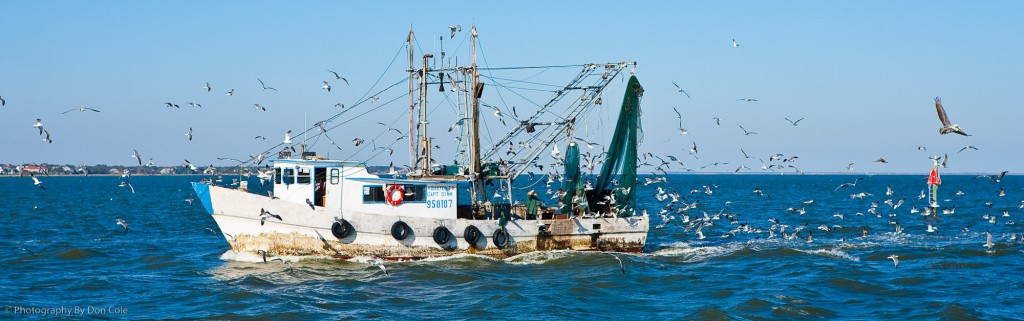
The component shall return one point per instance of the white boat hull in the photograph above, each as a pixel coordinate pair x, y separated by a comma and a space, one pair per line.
307, 231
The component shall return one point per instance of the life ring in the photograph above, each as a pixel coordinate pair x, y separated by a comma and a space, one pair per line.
341, 229
442, 235
400, 230
472, 235
395, 194
500, 238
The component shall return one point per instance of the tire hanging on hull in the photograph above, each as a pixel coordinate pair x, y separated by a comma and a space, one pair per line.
500, 238
472, 235
400, 230
341, 229
442, 235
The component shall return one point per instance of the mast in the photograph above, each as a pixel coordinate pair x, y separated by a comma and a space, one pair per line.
474, 119
424, 145
412, 103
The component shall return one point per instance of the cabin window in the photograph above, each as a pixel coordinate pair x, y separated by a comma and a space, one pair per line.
335, 176
373, 194
289, 176
303, 177
277, 176
415, 193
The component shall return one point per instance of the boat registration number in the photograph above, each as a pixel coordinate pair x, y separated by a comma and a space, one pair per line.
439, 203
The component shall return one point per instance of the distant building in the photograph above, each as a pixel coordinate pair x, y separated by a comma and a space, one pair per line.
33, 169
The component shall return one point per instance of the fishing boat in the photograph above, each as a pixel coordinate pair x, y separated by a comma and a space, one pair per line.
314, 206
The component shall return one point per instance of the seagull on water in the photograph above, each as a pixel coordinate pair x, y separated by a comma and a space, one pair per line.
988, 241
895, 260
947, 127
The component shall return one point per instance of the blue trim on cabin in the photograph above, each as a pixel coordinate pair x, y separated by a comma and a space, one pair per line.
203, 192
314, 162
403, 181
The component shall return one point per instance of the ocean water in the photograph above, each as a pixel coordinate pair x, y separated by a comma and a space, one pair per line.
62, 252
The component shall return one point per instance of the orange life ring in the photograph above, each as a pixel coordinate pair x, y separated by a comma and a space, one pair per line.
395, 194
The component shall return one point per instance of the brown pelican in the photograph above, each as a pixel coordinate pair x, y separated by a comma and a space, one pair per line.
947, 127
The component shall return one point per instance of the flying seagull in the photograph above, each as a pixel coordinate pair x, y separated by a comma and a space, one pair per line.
734, 44
967, 147
265, 86
682, 131
259, 107
137, 156
336, 76
895, 260
189, 134
947, 127
850, 184
995, 178
123, 224
881, 160
207, 87
326, 86
264, 215
681, 89
794, 122
39, 124
454, 29
46, 137
37, 182
2, 101
379, 263
288, 137
747, 99
745, 132
80, 109
230, 92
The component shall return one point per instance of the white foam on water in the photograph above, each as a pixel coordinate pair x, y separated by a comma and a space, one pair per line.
540, 257
831, 253
698, 253
459, 256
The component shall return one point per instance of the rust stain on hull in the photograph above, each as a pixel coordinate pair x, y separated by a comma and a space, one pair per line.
301, 245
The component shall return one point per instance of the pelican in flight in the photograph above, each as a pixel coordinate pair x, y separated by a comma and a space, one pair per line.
947, 127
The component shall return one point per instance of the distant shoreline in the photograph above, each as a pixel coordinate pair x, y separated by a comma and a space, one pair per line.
923, 174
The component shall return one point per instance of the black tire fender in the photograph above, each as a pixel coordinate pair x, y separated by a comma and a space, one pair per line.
400, 230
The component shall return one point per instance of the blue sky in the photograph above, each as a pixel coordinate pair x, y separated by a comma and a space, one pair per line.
862, 74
